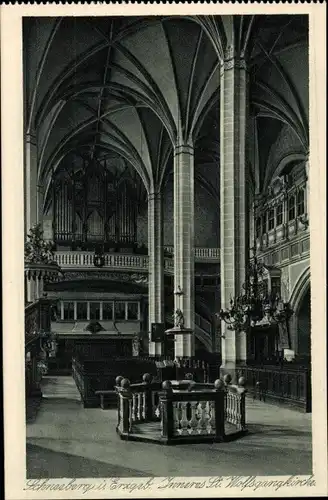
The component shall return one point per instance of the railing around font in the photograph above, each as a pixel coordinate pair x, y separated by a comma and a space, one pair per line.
180, 411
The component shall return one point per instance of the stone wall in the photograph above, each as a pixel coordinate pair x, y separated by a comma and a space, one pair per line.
207, 219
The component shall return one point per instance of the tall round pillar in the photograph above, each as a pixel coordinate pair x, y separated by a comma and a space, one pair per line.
31, 181
233, 198
307, 170
156, 267
184, 279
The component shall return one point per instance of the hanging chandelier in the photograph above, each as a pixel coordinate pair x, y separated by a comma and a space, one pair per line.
255, 306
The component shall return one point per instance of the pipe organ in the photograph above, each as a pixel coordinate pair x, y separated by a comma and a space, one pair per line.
93, 206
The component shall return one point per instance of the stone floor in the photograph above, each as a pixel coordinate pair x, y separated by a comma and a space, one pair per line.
66, 440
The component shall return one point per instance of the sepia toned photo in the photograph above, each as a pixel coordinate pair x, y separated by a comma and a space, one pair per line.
165, 254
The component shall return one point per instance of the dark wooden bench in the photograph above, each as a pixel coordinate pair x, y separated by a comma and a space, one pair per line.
93, 377
108, 399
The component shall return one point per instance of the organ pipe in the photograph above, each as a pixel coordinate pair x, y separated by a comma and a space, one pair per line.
85, 207
116, 216
105, 193
73, 210
54, 208
102, 217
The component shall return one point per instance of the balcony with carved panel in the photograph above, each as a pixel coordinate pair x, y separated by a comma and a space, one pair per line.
282, 221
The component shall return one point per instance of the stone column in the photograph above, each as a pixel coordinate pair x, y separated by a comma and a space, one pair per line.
40, 201
156, 267
233, 198
31, 176
307, 192
31, 288
184, 279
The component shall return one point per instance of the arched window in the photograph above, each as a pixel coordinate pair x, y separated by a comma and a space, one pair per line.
300, 202
291, 207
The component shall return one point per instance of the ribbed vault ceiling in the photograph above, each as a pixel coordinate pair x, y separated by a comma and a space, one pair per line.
98, 88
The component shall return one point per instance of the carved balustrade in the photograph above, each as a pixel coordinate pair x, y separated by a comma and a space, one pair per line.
72, 259
200, 252
235, 403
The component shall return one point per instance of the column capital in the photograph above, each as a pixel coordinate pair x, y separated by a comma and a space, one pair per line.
30, 138
233, 60
234, 63
187, 149
155, 195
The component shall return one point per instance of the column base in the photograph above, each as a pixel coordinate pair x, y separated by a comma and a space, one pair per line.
35, 393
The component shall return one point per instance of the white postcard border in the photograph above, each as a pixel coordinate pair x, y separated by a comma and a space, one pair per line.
13, 248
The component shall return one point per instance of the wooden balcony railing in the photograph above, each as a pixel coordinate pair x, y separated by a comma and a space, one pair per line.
86, 259
73, 259
200, 253
180, 411
286, 252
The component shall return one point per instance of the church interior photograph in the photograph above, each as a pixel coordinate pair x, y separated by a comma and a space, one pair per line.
167, 246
